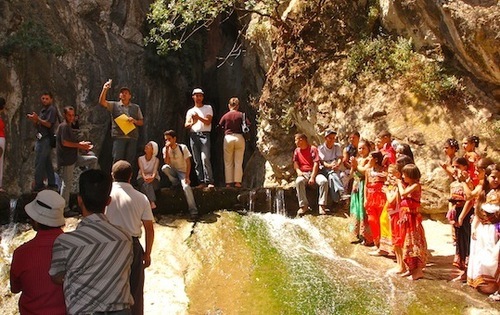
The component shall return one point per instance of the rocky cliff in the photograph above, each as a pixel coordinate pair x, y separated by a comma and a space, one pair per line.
72, 47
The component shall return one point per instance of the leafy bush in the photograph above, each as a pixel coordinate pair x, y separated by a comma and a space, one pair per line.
385, 59
31, 37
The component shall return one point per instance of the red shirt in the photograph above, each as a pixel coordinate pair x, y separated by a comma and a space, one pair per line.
29, 273
389, 154
306, 158
2, 128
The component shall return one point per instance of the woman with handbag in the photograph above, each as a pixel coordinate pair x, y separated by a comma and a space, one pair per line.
234, 125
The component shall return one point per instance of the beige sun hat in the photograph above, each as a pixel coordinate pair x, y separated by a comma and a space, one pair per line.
47, 208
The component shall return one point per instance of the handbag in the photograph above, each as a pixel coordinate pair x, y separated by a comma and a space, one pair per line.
244, 128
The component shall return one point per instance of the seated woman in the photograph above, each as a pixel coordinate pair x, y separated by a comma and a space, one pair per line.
148, 177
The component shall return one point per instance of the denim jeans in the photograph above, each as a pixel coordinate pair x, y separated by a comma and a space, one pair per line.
148, 188
200, 147
175, 177
43, 163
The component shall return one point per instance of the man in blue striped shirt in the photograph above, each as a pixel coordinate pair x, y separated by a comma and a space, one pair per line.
93, 262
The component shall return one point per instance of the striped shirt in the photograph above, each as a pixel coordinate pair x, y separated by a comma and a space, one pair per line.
96, 260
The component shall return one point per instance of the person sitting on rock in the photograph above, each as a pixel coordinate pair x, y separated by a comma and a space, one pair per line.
177, 167
330, 154
306, 163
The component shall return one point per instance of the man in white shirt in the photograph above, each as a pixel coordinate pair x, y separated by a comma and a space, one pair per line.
178, 167
199, 123
130, 209
330, 153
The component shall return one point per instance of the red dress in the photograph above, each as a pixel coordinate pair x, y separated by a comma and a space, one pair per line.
415, 245
375, 201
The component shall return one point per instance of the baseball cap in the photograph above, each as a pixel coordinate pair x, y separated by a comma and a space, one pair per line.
329, 132
124, 88
47, 208
197, 91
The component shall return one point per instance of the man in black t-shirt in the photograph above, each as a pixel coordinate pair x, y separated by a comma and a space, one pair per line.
68, 156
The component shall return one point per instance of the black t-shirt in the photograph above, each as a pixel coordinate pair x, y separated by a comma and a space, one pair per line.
65, 155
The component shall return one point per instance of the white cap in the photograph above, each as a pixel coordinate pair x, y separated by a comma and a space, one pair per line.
47, 208
197, 91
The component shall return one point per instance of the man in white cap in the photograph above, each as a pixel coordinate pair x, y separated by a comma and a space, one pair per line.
330, 154
29, 271
199, 123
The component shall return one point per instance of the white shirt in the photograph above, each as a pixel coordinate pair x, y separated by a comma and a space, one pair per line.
204, 111
328, 155
128, 208
178, 158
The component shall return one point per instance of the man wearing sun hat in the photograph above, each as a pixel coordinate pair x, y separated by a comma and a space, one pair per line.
199, 123
29, 272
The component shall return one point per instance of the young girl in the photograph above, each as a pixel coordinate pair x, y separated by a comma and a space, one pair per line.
460, 216
148, 177
393, 204
451, 148
415, 245
359, 225
374, 196
470, 144
483, 269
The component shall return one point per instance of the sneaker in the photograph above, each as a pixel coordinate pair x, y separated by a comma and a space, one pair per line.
211, 186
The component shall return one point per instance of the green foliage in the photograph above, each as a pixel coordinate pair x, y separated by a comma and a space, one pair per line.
31, 37
173, 22
385, 59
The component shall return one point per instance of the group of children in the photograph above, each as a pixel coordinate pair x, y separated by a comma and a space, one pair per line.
474, 213
385, 202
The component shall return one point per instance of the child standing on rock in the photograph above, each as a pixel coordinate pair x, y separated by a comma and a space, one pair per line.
415, 245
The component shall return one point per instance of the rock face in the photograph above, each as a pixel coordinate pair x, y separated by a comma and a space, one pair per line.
72, 47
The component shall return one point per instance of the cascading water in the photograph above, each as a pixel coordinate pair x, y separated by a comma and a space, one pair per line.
251, 200
327, 283
269, 200
279, 202
8, 232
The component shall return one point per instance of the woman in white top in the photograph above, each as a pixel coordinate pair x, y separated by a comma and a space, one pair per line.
148, 177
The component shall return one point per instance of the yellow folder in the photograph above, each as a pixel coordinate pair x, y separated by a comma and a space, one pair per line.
125, 125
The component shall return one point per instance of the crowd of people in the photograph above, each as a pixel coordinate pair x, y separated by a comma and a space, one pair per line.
385, 196
99, 267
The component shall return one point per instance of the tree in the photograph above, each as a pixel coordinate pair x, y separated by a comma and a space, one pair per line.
173, 22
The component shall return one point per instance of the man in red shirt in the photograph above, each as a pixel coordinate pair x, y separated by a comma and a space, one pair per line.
29, 271
306, 164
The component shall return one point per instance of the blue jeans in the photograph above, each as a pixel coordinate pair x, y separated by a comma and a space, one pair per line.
175, 177
124, 149
43, 163
200, 147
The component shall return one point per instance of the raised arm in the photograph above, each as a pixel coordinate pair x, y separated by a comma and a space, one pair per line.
102, 97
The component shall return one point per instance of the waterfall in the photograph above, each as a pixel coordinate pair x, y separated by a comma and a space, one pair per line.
279, 202
8, 232
269, 200
251, 200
